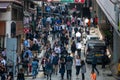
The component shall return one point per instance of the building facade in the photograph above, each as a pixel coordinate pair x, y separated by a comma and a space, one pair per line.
11, 21
15, 16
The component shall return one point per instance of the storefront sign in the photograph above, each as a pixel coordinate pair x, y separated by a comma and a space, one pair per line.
70, 1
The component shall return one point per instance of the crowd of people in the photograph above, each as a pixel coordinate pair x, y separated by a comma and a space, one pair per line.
66, 32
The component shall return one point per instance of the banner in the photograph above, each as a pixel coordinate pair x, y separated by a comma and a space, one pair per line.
79, 1
70, 1
56, 0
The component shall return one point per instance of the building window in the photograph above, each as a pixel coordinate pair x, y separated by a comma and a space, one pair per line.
1, 43
17, 13
13, 29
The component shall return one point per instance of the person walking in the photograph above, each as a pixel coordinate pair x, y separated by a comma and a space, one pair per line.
73, 48
77, 65
43, 63
20, 75
79, 46
69, 69
34, 68
94, 63
48, 69
62, 67
105, 60
83, 69
26, 61
93, 75
55, 64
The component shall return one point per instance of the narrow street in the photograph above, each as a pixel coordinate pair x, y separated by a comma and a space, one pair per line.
105, 74
59, 40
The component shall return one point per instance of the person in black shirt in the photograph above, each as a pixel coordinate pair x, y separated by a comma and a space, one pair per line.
20, 75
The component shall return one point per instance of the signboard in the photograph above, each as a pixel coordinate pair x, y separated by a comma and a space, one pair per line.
56, 0
26, 30
11, 47
79, 1
70, 1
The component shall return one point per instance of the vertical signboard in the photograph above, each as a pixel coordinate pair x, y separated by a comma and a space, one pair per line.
11, 46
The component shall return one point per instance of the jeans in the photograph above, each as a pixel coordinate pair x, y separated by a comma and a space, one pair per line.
34, 72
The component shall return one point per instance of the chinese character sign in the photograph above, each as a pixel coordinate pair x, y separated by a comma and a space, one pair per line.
79, 1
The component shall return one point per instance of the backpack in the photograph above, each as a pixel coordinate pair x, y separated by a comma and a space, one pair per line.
55, 60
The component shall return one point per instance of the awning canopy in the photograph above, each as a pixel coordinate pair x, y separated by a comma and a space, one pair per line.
4, 5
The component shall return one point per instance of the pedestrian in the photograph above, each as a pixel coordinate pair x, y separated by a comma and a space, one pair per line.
34, 68
73, 48
93, 75
94, 63
105, 60
43, 63
62, 67
83, 69
48, 69
77, 65
78, 35
69, 63
78, 47
25, 63
55, 64
20, 75
2, 71
10, 76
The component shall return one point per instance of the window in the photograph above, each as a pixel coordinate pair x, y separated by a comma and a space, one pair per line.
17, 13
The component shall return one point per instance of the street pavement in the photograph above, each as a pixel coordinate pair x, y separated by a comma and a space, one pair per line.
105, 74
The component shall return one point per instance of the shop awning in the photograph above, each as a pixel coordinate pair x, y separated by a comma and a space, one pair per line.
4, 5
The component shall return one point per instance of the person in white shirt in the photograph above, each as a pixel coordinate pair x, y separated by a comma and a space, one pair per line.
57, 50
3, 61
77, 65
78, 46
78, 35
